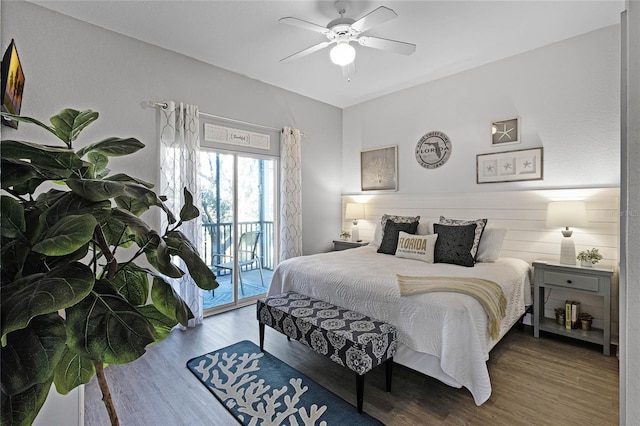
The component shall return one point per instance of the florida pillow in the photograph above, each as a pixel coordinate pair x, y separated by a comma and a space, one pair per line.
481, 224
454, 244
418, 247
391, 233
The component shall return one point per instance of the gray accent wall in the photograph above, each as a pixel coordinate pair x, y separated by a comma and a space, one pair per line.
567, 97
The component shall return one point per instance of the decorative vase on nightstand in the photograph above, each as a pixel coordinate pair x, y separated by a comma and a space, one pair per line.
587, 263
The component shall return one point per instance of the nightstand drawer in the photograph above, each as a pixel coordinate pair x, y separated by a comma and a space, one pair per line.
577, 281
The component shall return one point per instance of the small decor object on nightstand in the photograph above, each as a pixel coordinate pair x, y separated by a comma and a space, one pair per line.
585, 321
588, 258
345, 235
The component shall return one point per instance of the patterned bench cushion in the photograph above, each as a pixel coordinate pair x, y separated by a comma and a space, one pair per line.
349, 338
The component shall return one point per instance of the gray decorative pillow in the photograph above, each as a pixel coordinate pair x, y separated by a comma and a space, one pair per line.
397, 219
481, 224
454, 244
390, 237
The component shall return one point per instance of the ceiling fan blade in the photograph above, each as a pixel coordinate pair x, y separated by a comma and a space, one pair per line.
304, 24
384, 44
306, 51
378, 16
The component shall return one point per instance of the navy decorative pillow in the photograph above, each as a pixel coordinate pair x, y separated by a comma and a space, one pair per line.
454, 244
390, 237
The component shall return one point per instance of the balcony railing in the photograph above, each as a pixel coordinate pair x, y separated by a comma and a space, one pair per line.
217, 240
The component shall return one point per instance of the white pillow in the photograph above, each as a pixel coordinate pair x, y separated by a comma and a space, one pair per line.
418, 247
491, 244
424, 228
377, 236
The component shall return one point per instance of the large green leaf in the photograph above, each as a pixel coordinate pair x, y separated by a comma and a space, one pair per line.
113, 147
68, 123
161, 323
72, 371
136, 224
41, 294
72, 204
179, 245
26, 119
21, 409
99, 161
133, 205
132, 283
67, 236
12, 221
115, 232
167, 301
60, 161
32, 353
18, 173
105, 327
122, 177
188, 211
157, 253
100, 190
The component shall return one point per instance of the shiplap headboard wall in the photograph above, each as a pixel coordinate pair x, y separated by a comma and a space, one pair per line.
523, 213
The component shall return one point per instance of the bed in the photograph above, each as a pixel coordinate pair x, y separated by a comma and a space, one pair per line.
443, 334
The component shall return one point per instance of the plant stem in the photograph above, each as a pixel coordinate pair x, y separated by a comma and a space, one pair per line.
106, 394
112, 264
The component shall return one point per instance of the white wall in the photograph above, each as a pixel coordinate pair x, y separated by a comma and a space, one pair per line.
567, 97
69, 63
630, 223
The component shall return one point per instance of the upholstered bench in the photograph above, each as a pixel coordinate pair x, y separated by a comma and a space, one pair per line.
349, 338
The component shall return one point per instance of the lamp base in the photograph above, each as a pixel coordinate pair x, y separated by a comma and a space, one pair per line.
355, 234
567, 251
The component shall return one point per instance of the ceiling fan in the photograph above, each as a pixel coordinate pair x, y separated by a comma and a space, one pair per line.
342, 31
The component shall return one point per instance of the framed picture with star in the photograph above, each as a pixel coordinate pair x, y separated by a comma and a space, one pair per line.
505, 132
509, 166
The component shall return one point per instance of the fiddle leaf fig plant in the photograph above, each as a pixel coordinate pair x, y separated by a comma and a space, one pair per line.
75, 292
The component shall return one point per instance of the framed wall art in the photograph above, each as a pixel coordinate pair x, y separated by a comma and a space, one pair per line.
12, 84
379, 169
509, 166
505, 132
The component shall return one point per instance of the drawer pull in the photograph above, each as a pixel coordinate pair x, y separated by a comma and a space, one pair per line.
568, 281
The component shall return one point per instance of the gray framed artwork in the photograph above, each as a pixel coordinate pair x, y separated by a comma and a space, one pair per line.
509, 166
379, 169
505, 132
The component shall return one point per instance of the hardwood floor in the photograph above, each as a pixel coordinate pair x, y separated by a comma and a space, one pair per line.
546, 381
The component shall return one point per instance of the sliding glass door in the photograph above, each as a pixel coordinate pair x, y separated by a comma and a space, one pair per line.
238, 194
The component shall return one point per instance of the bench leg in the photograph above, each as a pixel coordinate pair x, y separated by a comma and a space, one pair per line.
261, 328
389, 371
359, 391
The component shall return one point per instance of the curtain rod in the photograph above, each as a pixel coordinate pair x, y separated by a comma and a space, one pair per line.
164, 105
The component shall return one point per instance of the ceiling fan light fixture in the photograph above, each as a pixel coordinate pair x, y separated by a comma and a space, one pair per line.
342, 53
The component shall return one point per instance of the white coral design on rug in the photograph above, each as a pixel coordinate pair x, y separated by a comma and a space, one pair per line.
238, 389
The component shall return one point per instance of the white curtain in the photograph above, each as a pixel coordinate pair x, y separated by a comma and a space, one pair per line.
180, 142
290, 194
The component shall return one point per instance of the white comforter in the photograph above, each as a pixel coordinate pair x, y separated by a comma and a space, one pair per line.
449, 326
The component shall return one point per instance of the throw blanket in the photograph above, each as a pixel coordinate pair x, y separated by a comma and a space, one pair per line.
488, 293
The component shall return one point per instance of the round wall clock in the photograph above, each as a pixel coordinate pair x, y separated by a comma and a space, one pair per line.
433, 150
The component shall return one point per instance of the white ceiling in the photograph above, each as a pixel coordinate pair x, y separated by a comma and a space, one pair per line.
245, 37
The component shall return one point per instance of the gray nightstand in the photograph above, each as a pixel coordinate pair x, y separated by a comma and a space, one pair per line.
344, 245
596, 280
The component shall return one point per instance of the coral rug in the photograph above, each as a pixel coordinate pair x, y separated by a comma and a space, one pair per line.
259, 389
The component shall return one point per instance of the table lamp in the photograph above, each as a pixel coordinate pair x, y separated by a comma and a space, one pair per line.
354, 211
566, 214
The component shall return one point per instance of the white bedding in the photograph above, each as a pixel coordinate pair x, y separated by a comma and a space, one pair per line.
451, 327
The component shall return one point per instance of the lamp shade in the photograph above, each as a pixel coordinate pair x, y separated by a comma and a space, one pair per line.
354, 211
566, 213
342, 53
